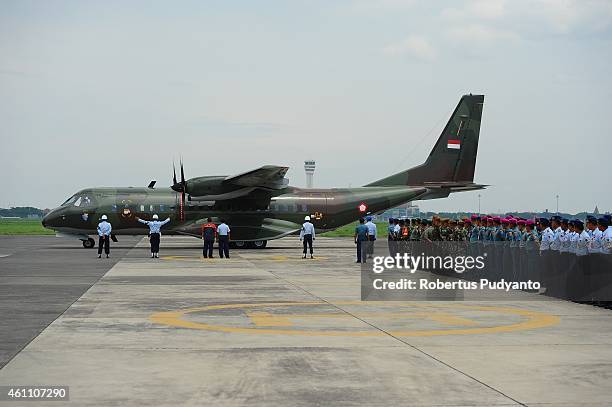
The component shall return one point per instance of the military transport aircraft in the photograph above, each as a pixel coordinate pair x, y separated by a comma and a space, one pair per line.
259, 205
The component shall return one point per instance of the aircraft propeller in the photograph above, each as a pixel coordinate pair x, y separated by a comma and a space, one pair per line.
180, 187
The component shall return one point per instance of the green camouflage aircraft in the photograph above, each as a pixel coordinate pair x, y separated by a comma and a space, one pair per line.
259, 205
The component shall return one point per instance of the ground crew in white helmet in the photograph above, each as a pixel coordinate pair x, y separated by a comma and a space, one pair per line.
154, 233
307, 235
104, 233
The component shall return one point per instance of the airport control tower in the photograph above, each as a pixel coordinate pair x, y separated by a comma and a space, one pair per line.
309, 167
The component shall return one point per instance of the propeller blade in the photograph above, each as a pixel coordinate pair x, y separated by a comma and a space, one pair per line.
174, 174
182, 173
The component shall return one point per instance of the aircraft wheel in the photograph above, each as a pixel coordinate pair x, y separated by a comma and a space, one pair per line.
260, 244
89, 243
240, 244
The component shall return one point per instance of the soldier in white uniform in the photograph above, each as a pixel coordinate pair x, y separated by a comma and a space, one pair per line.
371, 235
547, 236
307, 236
154, 233
557, 233
565, 236
104, 232
596, 235
582, 242
606, 237
573, 237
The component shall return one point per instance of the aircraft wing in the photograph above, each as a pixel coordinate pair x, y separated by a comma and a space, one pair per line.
254, 227
268, 176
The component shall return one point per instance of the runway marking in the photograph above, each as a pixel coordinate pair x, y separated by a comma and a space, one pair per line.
531, 319
4, 255
250, 258
267, 319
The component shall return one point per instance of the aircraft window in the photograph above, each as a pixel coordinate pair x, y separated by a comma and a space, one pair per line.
273, 207
162, 208
282, 208
291, 208
152, 208
78, 202
70, 200
86, 201
142, 208
114, 208
304, 208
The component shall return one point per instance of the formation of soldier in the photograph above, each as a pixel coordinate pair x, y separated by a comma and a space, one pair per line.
554, 234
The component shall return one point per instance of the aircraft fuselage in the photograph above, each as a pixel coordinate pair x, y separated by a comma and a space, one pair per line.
328, 209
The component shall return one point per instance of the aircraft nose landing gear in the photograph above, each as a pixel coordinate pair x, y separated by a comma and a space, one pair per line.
89, 243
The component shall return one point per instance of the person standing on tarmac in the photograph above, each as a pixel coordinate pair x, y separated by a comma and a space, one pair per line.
104, 232
307, 235
371, 235
361, 235
596, 234
547, 236
154, 233
392, 236
209, 233
555, 244
606, 237
223, 236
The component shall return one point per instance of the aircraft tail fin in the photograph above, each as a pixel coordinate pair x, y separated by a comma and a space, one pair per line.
453, 158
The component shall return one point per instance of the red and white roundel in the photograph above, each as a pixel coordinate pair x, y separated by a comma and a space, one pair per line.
363, 207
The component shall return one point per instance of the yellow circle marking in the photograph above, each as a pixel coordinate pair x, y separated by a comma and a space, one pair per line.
533, 320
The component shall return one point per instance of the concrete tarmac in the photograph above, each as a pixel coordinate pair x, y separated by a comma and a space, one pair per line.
40, 277
269, 328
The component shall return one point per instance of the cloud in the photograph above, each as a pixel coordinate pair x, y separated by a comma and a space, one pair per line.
567, 15
382, 5
481, 35
480, 9
561, 16
414, 46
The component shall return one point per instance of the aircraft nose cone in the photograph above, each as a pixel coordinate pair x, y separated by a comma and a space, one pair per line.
50, 219
45, 220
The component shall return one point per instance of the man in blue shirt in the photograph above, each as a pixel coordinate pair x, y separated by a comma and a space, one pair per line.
154, 233
371, 235
307, 235
223, 236
361, 235
104, 232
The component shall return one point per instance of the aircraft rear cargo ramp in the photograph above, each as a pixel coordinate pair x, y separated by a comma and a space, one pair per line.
269, 328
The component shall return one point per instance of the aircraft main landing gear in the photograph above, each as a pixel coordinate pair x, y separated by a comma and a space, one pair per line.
89, 243
259, 244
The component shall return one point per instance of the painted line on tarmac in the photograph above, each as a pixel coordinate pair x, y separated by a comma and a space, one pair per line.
530, 319
241, 257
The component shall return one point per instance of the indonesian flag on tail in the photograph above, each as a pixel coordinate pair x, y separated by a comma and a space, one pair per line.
454, 144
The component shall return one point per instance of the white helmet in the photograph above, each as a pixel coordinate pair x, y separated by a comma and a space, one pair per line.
103, 217
307, 217
155, 217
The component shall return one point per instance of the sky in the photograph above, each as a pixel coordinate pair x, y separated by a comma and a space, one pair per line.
109, 93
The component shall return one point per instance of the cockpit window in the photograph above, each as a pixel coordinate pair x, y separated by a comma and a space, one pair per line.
70, 200
79, 200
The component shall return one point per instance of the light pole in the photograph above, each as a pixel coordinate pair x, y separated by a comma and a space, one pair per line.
557, 204
478, 204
